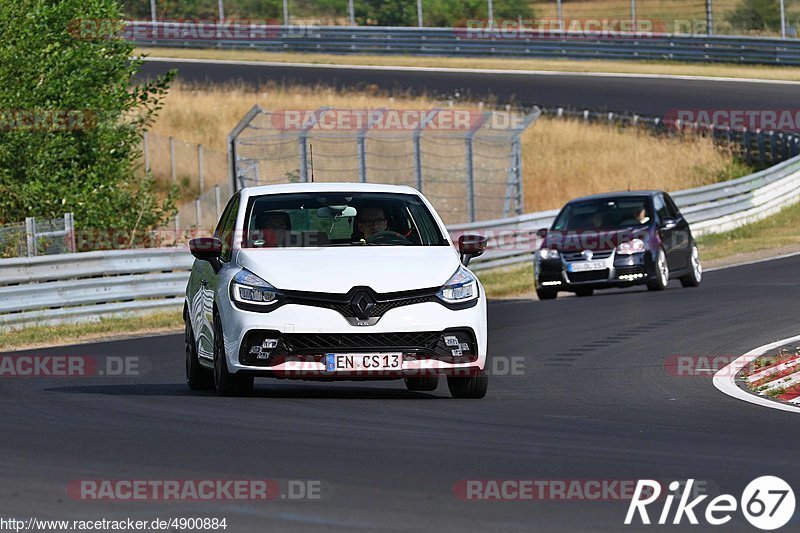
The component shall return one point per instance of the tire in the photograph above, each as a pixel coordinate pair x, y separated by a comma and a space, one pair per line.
660, 272
695, 275
197, 377
471, 387
422, 383
225, 383
546, 294
584, 292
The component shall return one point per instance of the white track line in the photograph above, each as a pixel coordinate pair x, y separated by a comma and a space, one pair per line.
469, 70
725, 382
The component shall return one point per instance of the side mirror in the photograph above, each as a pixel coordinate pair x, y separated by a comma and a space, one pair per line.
541, 233
470, 246
205, 248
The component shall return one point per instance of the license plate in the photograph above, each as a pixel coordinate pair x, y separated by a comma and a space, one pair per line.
366, 362
585, 266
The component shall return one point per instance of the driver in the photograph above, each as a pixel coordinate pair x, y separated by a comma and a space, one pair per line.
371, 220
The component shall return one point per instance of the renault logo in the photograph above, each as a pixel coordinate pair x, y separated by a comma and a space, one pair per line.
362, 304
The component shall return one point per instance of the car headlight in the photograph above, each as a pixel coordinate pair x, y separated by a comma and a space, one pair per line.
547, 253
630, 247
248, 288
461, 287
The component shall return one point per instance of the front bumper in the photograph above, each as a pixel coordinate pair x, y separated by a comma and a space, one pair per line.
304, 334
617, 271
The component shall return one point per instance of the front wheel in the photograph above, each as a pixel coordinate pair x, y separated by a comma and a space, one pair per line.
661, 274
546, 294
197, 377
227, 384
472, 387
695, 275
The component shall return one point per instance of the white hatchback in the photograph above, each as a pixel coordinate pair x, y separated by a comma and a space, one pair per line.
334, 281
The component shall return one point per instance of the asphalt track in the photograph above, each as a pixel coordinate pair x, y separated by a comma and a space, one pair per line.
646, 95
594, 402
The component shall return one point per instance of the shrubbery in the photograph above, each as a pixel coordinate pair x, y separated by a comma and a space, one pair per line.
88, 167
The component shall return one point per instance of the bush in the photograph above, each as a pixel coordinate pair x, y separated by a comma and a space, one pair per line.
756, 15
48, 68
439, 13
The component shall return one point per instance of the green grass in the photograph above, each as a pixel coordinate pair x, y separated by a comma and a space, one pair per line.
515, 280
37, 336
773, 232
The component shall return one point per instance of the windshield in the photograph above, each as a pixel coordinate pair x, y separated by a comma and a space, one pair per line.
604, 213
339, 219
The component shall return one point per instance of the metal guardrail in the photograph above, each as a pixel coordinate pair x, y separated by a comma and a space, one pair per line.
475, 42
91, 285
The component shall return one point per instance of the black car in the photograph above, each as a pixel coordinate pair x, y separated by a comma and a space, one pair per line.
616, 240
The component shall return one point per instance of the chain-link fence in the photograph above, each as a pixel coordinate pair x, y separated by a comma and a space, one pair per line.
38, 236
467, 163
703, 17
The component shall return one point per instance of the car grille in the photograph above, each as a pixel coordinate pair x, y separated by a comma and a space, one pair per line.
299, 346
343, 303
578, 256
592, 275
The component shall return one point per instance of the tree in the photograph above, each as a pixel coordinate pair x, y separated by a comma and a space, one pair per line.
756, 15
71, 119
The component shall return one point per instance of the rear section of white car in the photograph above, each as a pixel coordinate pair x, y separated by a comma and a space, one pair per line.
330, 282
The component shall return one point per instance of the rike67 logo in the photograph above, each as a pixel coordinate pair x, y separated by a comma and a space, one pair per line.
767, 503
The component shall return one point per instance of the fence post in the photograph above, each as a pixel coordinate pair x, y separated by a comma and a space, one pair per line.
351, 12
172, 159
30, 235
633, 15
361, 143
470, 179
146, 149
197, 214
200, 165
559, 16
709, 18
221, 11
216, 201
285, 12
420, 22
303, 148
418, 158
69, 227
783, 20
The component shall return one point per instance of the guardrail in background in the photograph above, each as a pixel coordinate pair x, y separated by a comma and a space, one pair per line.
86, 286
468, 42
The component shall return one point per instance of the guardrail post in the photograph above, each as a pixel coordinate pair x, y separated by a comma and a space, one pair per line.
200, 165
30, 235
172, 159
69, 227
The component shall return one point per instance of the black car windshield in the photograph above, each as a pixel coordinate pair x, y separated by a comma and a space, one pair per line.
339, 219
604, 214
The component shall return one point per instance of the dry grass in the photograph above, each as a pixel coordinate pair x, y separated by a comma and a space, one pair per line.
559, 65
561, 159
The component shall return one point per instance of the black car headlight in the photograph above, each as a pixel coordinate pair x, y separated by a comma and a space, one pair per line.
460, 288
247, 288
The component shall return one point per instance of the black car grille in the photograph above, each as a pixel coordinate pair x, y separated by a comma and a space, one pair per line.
592, 275
309, 346
343, 303
578, 256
